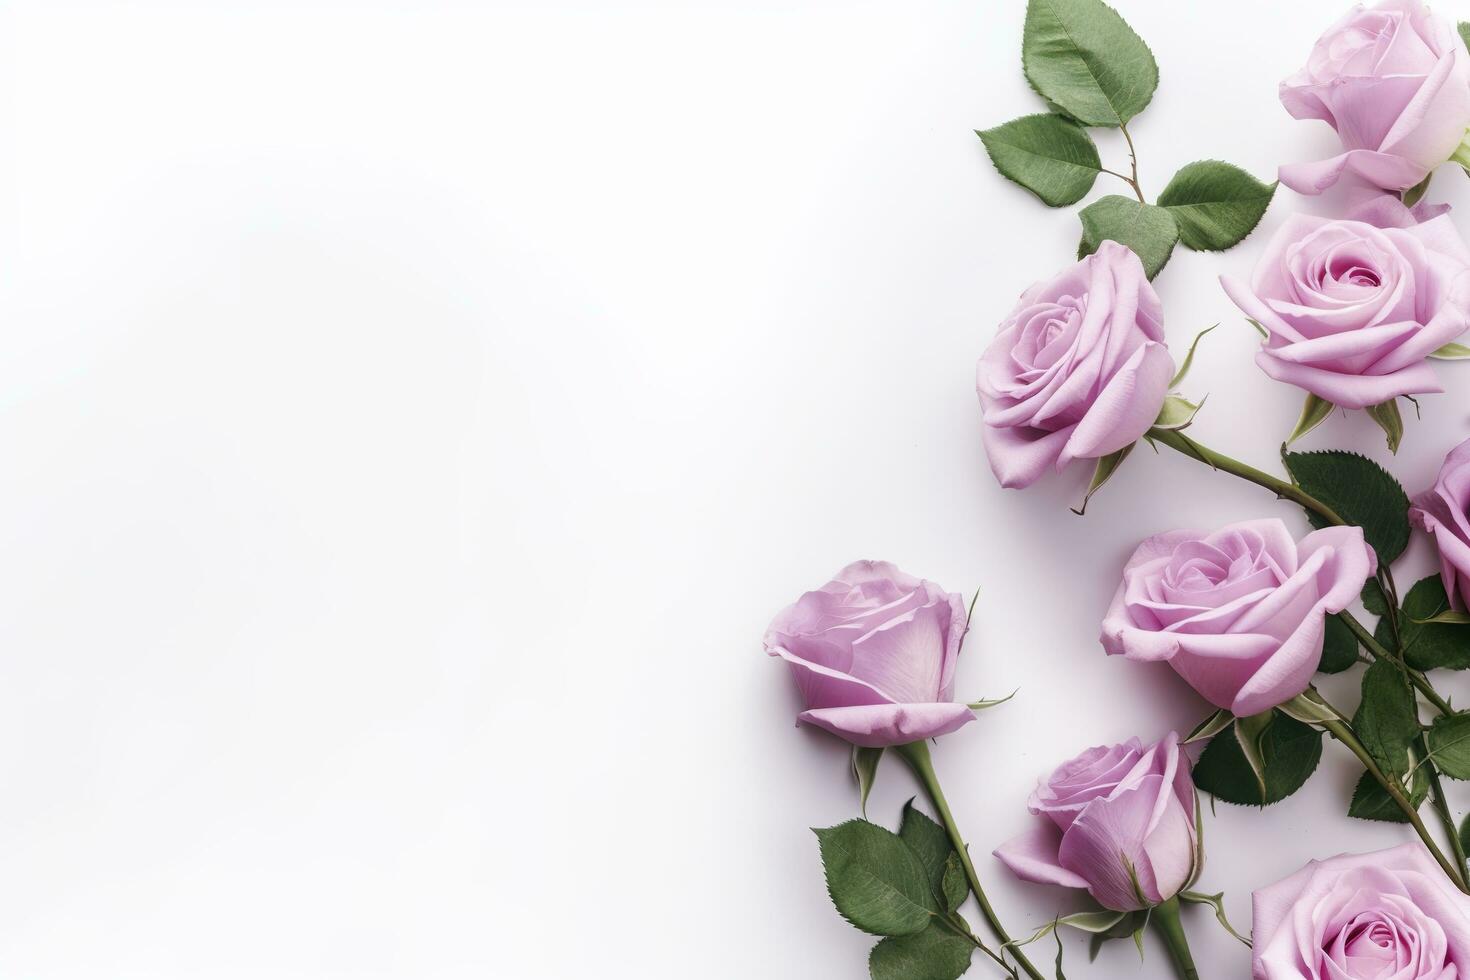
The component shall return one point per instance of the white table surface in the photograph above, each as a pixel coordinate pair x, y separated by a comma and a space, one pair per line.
412, 413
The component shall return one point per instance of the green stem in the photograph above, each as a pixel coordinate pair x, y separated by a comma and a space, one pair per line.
1380, 652
1132, 159
1179, 442
916, 754
1442, 808
1166, 918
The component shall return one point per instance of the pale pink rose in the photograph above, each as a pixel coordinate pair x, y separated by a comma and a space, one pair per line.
1240, 612
873, 652
1117, 820
1394, 81
1079, 369
1352, 311
1387, 915
1444, 511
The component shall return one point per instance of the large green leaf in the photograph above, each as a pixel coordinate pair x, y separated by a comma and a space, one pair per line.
931, 846
1339, 647
1387, 719
1083, 58
875, 881
934, 954
1360, 491
1449, 744
1148, 230
1372, 802
1428, 646
1215, 204
1049, 155
1289, 752
865, 770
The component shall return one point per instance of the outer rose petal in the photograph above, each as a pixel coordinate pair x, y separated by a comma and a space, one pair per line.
1119, 839
881, 725
1349, 390
1392, 173
1126, 407
1020, 457
1033, 857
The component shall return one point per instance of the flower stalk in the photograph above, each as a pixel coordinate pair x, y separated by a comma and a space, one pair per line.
1166, 921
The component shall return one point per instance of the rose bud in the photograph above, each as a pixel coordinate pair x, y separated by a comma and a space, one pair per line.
1388, 915
1444, 511
1079, 369
1239, 612
1351, 311
873, 652
1394, 82
1117, 820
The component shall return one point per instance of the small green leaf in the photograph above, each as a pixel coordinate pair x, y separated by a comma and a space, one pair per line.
1339, 647
1049, 155
1373, 598
1210, 727
954, 887
1387, 719
1372, 802
875, 880
1360, 491
1464, 29
1106, 467
1289, 749
1249, 732
1131, 924
1178, 412
1309, 708
865, 769
1085, 59
1451, 352
1216, 900
1429, 643
1465, 833
1215, 204
1146, 229
1388, 419
1449, 745
931, 846
1189, 358
984, 703
1450, 617
1415, 194
1315, 411
933, 954
1265, 334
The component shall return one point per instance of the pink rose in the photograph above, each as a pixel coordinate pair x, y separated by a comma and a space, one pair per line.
873, 652
1351, 311
1238, 613
1078, 370
1394, 82
1117, 820
1388, 915
1444, 511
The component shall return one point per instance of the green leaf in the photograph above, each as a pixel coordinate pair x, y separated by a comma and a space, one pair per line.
1085, 59
1309, 707
875, 881
1315, 411
1148, 230
1451, 352
1428, 643
954, 887
1249, 733
865, 769
1189, 358
1415, 194
1451, 617
1339, 647
1290, 752
984, 703
1373, 598
1106, 467
1049, 155
931, 846
1215, 204
1449, 745
1465, 833
1131, 924
1387, 719
1388, 419
1210, 727
1464, 28
1216, 900
1372, 802
934, 954
1360, 491
1178, 412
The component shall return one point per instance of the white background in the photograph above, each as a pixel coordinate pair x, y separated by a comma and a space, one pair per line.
411, 414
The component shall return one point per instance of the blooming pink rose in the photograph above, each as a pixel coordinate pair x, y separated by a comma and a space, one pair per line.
1238, 612
1394, 81
1078, 370
874, 653
1388, 915
1444, 511
1351, 311
1117, 820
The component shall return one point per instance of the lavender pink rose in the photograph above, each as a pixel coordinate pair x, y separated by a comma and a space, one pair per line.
1239, 612
1444, 511
1388, 915
1394, 81
1079, 369
1116, 820
873, 652
1351, 311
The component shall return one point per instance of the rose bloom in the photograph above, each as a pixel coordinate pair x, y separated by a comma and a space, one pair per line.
1351, 311
873, 652
1444, 511
1388, 915
1394, 81
1239, 612
1112, 816
1078, 370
